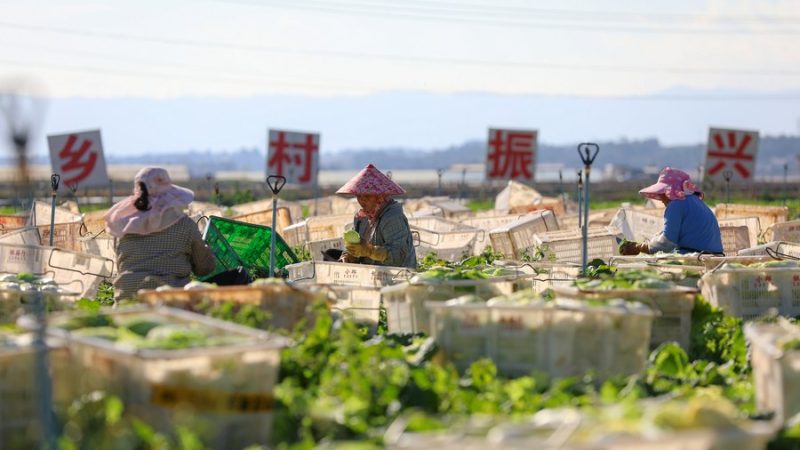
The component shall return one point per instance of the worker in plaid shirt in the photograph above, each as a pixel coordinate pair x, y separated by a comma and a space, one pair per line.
158, 243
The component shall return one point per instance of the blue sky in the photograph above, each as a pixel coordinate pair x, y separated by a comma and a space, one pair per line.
181, 58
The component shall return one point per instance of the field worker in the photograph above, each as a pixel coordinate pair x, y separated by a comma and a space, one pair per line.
158, 243
689, 224
385, 235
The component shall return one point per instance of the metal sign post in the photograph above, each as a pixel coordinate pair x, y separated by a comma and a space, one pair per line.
275, 183
54, 180
588, 152
579, 198
439, 173
727, 175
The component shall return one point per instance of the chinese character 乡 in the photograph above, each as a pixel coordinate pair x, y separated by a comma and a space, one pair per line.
511, 154
730, 150
74, 159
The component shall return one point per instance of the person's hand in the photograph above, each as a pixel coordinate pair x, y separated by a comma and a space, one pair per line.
373, 252
357, 250
631, 248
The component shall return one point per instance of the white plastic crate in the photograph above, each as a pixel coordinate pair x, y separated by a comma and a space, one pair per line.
41, 211
673, 306
486, 224
567, 246
635, 225
751, 292
785, 231
295, 209
75, 272
65, 235
19, 424
513, 238
223, 393
776, 248
551, 276
734, 238
283, 218
561, 339
776, 372
317, 229
405, 302
754, 230
767, 215
325, 272
316, 248
24, 236
103, 245
286, 304
449, 240
360, 304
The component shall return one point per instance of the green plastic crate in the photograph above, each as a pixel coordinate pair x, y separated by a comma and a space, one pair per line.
245, 244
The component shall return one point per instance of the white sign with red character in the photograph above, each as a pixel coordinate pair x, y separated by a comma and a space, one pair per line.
731, 154
511, 155
78, 158
294, 155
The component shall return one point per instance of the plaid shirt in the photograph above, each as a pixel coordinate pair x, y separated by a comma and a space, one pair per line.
392, 233
166, 257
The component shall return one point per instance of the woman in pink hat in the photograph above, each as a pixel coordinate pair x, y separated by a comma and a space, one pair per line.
158, 243
385, 235
689, 224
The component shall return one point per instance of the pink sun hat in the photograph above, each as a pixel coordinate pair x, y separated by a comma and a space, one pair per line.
370, 181
167, 202
673, 183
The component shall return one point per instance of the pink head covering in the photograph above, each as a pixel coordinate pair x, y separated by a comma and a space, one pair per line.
166, 202
674, 183
370, 181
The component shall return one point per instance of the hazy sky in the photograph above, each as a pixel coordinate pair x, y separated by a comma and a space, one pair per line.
158, 49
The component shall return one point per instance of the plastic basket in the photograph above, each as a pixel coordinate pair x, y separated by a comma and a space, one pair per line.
24, 236
318, 228
243, 244
94, 223
450, 241
635, 225
75, 272
776, 372
753, 224
19, 424
485, 224
405, 302
287, 305
673, 306
9, 222
767, 215
751, 292
567, 246
224, 393
345, 274
316, 248
734, 238
65, 235
295, 209
41, 212
359, 304
777, 248
560, 341
785, 231
103, 245
550, 275
283, 218
513, 238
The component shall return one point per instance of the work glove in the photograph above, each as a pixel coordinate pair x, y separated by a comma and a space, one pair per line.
373, 252
631, 248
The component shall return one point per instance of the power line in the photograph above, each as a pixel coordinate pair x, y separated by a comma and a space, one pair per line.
350, 9
362, 56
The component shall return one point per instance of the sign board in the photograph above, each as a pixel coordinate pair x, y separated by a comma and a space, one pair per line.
78, 158
731, 153
511, 155
294, 155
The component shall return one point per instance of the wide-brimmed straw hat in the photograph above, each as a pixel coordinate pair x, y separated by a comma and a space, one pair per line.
370, 181
673, 183
166, 203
